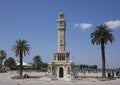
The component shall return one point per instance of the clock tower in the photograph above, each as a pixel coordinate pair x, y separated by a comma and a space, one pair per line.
61, 66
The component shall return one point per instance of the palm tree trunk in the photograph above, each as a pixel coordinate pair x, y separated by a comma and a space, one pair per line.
103, 59
0, 63
21, 63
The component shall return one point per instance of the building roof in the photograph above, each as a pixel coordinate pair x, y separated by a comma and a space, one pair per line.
24, 63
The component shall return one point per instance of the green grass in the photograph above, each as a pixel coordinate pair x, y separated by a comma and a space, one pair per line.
37, 76
106, 79
88, 76
99, 78
17, 77
21, 77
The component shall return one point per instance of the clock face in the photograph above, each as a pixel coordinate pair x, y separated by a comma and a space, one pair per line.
61, 24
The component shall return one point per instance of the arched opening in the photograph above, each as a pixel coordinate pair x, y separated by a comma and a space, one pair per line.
61, 72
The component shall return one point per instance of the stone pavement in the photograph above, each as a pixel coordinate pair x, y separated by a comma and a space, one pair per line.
6, 80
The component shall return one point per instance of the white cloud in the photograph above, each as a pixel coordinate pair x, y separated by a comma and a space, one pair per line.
76, 25
83, 25
113, 24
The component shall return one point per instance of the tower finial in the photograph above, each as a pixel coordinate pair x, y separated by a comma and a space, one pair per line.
61, 12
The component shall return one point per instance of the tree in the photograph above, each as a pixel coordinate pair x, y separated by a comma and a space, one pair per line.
37, 61
10, 62
101, 36
94, 67
44, 66
2, 56
87, 66
21, 48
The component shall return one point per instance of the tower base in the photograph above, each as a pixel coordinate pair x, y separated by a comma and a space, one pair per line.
60, 69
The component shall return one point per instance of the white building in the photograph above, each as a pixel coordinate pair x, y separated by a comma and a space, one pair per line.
24, 64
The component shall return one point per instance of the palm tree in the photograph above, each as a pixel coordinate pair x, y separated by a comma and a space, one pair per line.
37, 61
21, 48
101, 36
2, 56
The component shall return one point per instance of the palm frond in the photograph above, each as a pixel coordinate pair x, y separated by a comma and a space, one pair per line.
102, 33
21, 46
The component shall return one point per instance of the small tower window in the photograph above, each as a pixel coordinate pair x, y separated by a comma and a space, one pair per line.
60, 41
54, 57
61, 16
61, 44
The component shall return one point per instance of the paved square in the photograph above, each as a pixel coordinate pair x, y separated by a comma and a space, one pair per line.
6, 80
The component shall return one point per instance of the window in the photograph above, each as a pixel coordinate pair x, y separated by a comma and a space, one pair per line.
61, 16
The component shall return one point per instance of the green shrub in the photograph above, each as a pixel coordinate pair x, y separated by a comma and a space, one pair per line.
17, 77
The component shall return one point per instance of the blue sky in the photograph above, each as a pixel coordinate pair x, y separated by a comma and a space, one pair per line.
36, 22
